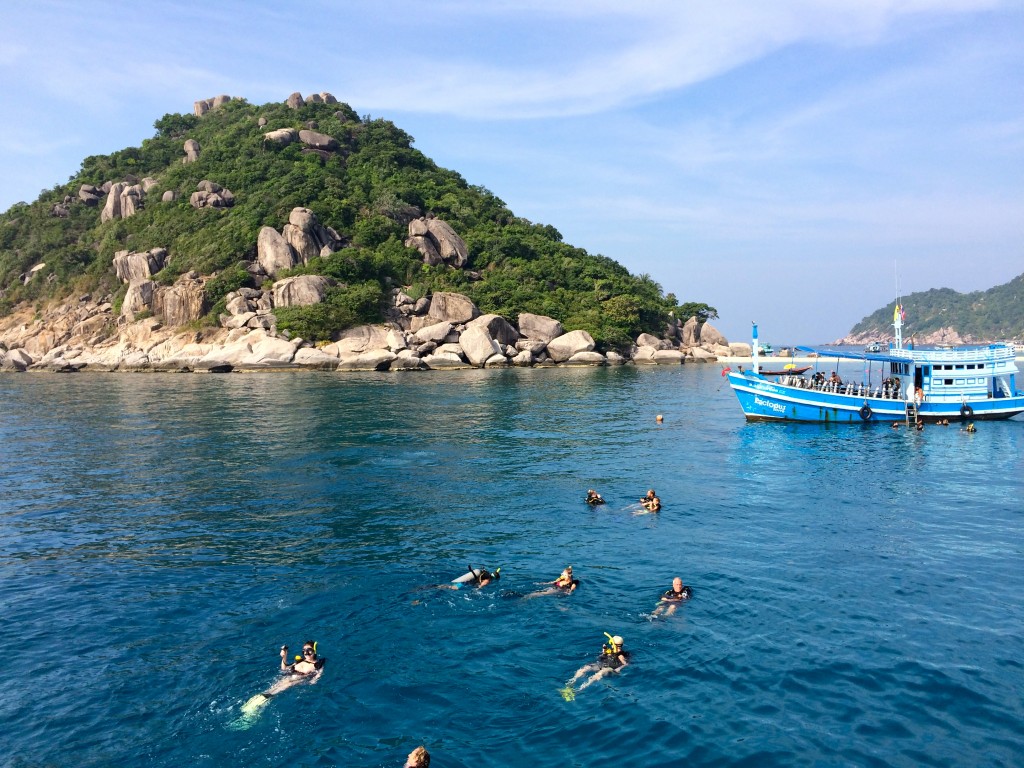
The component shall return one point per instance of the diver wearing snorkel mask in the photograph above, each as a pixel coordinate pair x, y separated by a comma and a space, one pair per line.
612, 659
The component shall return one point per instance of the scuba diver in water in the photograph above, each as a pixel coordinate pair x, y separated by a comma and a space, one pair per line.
565, 584
594, 498
612, 659
306, 668
672, 597
476, 577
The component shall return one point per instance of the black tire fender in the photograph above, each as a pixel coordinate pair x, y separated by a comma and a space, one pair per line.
865, 412
966, 411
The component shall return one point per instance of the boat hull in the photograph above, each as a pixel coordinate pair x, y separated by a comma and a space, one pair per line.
763, 400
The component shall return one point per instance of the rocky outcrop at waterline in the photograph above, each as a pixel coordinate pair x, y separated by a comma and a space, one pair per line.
87, 334
151, 327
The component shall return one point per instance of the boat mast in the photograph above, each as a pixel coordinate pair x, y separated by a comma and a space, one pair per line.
897, 314
754, 346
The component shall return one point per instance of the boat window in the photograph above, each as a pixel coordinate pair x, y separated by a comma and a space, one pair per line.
980, 366
960, 381
970, 366
947, 381
959, 367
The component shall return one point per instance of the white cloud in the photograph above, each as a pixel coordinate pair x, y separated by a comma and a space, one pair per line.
661, 47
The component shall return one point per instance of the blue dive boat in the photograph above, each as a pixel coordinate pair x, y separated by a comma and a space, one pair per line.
912, 384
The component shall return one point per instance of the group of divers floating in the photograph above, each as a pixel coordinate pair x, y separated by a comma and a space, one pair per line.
309, 666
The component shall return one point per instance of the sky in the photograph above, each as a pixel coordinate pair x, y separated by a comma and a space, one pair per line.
793, 163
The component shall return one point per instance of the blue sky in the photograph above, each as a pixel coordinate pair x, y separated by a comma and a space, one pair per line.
781, 161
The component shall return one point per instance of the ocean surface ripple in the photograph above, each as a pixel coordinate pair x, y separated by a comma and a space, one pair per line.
858, 591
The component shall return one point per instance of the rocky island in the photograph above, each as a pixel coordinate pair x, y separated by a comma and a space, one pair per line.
298, 235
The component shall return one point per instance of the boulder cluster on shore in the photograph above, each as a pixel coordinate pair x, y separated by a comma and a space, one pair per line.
444, 331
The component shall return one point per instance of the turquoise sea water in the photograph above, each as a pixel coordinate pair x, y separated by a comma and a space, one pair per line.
858, 591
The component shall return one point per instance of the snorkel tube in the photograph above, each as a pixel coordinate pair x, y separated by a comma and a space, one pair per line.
610, 647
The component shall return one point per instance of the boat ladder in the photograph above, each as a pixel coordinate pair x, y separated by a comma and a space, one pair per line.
912, 416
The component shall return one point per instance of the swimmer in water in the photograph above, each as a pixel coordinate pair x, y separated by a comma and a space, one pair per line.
477, 577
613, 658
565, 584
594, 498
418, 758
672, 598
305, 669
651, 502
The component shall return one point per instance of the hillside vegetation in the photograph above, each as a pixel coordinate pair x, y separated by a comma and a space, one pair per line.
368, 191
992, 315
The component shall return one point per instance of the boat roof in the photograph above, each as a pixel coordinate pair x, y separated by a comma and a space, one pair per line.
981, 352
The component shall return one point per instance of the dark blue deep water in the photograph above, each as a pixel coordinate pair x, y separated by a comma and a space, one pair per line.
858, 591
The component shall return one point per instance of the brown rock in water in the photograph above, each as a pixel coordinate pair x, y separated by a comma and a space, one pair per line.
568, 344
477, 345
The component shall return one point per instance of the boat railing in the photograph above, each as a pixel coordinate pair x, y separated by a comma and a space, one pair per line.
991, 353
884, 391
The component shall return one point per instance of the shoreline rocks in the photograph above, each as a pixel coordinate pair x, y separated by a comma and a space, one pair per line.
85, 335
153, 328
